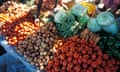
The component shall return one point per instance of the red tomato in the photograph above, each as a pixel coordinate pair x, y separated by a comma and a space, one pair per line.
69, 59
105, 56
94, 64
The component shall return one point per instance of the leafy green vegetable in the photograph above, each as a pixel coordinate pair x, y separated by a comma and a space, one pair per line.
110, 44
84, 19
67, 24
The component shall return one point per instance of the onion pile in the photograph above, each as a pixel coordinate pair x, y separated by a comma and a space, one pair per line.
78, 55
38, 47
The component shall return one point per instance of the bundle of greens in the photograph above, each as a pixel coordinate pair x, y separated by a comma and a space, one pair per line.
71, 22
105, 21
65, 23
110, 43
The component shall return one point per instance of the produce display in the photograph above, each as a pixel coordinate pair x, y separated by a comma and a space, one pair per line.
38, 47
65, 22
70, 22
16, 24
89, 36
18, 30
110, 44
78, 55
93, 25
70, 35
14, 10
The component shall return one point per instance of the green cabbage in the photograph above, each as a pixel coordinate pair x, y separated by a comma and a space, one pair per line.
60, 17
111, 28
78, 10
93, 25
105, 19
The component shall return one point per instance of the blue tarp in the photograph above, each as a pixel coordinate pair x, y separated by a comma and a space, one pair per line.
12, 61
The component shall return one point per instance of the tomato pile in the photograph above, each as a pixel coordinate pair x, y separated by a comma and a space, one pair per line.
78, 55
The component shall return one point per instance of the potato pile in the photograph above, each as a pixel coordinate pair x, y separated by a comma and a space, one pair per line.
38, 47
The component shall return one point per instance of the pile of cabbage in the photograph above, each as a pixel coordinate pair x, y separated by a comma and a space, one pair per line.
73, 21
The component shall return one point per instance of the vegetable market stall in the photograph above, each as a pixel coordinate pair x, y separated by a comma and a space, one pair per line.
76, 37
